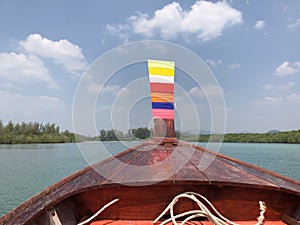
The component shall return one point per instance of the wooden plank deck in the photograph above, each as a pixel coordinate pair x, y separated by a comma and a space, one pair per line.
151, 162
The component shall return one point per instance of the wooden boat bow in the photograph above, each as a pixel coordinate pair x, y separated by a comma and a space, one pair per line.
143, 196
145, 178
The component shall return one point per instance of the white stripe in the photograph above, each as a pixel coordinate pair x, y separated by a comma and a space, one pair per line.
161, 79
150, 74
161, 64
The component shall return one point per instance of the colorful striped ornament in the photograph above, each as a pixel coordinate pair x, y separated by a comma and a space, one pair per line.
161, 76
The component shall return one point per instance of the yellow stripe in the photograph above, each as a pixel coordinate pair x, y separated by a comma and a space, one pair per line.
161, 64
162, 97
161, 71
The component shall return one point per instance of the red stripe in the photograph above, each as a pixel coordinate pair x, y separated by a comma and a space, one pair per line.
162, 87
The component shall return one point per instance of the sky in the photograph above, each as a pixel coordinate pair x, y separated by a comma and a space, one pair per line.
251, 47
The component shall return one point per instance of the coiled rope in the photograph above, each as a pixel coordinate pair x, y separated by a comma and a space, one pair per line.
200, 200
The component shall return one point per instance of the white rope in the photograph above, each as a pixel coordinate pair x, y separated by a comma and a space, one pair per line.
200, 200
262, 208
99, 211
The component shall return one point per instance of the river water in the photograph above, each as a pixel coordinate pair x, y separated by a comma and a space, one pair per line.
27, 169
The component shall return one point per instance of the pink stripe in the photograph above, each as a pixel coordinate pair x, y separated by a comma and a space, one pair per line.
163, 113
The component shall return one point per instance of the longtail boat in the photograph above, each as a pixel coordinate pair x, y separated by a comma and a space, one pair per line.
164, 181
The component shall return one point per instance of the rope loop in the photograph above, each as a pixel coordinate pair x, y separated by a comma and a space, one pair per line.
213, 216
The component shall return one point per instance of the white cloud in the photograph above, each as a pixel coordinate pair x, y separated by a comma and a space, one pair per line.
260, 24
280, 112
273, 100
285, 87
294, 24
62, 52
119, 31
293, 97
163, 21
297, 64
206, 20
282, 87
285, 69
268, 87
23, 68
213, 63
277, 100
95, 88
208, 91
196, 92
18, 107
268, 101
234, 66
9, 86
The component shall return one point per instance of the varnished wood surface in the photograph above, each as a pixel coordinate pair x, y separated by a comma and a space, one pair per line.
164, 128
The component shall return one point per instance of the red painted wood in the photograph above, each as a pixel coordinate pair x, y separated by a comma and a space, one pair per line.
147, 202
145, 222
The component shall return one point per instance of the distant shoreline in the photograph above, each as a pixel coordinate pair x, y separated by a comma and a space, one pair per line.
33, 133
287, 137
284, 137
49, 133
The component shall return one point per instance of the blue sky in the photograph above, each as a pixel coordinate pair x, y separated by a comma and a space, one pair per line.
252, 47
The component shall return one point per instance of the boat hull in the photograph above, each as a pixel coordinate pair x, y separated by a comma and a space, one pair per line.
233, 187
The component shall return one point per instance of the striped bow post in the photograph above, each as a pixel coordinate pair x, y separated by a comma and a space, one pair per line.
161, 76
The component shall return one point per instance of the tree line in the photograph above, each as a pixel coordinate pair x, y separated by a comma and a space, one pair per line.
131, 135
291, 137
141, 133
33, 132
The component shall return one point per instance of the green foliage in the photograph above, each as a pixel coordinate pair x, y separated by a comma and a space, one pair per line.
33, 133
131, 135
292, 137
141, 133
102, 135
110, 135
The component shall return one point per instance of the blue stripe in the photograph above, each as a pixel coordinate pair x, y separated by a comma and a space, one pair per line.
162, 105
